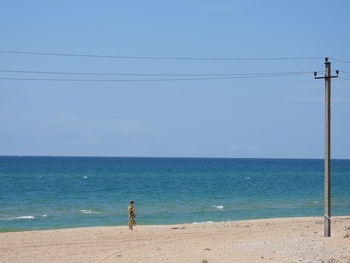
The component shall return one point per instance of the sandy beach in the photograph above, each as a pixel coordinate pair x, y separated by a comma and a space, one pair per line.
264, 240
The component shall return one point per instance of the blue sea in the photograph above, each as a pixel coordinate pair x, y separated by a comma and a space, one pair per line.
60, 192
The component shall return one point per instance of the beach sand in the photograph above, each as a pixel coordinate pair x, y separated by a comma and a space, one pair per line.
264, 240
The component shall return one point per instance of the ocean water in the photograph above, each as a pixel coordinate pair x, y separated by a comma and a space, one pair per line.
60, 192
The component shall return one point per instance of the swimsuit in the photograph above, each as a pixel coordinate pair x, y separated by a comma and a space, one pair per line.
131, 211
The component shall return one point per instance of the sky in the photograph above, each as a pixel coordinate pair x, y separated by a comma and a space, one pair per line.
271, 117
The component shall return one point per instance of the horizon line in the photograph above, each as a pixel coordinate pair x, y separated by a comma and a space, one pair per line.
169, 157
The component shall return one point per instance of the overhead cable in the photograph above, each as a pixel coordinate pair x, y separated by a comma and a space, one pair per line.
144, 74
153, 80
158, 58
341, 60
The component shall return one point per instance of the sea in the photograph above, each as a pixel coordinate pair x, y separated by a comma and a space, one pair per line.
63, 192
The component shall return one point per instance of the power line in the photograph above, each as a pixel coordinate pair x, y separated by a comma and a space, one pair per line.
158, 58
343, 78
344, 72
152, 80
341, 60
145, 74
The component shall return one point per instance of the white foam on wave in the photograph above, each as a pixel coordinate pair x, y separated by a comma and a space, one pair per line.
316, 202
18, 218
88, 211
85, 177
22, 217
219, 206
207, 222
45, 215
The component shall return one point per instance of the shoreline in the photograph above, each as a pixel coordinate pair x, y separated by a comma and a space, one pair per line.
296, 239
175, 224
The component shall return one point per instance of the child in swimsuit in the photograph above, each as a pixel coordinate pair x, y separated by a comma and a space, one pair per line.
131, 210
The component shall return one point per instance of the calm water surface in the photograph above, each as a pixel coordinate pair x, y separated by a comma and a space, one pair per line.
59, 192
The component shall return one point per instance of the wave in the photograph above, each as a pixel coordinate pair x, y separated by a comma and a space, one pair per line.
207, 222
88, 211
17, 218
219, 206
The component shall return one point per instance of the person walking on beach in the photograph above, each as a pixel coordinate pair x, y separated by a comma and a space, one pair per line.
131, 210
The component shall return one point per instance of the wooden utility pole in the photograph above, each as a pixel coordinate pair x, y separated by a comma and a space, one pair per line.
327, 156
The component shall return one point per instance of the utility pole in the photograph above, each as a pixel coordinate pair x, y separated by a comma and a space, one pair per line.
327, 156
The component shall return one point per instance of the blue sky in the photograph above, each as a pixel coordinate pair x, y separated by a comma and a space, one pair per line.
279, 117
